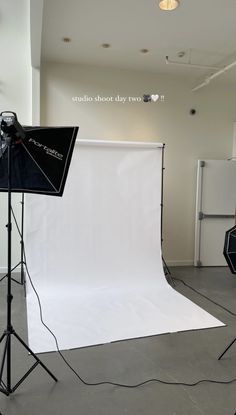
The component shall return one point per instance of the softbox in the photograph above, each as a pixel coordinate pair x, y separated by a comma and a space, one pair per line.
41, 161
230, 249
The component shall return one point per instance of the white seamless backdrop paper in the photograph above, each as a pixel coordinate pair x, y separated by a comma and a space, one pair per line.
95, 254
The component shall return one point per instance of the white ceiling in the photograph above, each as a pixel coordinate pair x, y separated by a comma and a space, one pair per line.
206, 27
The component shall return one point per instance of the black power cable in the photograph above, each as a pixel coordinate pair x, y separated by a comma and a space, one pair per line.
205, 296
122, 385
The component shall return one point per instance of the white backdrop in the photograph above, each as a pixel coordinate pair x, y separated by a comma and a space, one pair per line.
95, 255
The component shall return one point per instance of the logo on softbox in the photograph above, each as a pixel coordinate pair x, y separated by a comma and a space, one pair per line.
48, 150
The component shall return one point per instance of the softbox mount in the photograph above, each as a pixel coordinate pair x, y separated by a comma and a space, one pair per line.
32, 160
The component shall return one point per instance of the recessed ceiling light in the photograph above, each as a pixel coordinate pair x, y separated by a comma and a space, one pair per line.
106, 45
168, 5
66, 39
144, 50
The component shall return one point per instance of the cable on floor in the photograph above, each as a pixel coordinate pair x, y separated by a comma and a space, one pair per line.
122, 385
205, 296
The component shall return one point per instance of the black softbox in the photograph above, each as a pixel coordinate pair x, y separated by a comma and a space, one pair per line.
230, 249
40, 161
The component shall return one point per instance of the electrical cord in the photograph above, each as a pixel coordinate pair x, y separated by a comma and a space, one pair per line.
122, 385
205, 296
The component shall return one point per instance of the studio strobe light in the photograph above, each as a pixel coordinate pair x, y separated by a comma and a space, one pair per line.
33, 160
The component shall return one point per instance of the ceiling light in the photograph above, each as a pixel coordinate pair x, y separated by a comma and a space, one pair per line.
144, 50
168, 4
106, 45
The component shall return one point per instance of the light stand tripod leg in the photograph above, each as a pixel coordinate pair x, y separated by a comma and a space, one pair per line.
9, 388
3, 356
227, 348
3, 278
2, 337
4, 389
35, 356
6, 358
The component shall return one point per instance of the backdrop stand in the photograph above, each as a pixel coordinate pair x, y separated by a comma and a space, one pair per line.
167, 272
6, 387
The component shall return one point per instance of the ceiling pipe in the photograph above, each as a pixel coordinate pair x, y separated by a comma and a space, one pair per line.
204, 83
194, 65
214, 75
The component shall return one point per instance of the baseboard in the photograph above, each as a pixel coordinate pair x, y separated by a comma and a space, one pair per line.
186, 263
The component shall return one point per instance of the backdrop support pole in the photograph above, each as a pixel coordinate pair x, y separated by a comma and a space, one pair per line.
165, 267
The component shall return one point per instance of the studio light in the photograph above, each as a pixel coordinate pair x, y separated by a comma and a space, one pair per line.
168, 5
33, 160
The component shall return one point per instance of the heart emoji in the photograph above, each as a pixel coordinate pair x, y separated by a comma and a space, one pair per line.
155, 97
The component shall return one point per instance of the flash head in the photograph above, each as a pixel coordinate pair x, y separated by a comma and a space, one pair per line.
10, 127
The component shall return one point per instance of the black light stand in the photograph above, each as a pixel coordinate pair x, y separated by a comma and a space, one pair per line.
21, 233
21, 262
227, 348
6, 387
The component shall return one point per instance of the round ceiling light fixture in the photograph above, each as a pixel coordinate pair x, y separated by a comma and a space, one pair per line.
168, 5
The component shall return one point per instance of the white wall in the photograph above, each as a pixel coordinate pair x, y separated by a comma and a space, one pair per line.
15, 90
208, 134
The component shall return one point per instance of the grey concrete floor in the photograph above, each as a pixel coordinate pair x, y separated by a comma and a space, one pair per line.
186, 356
